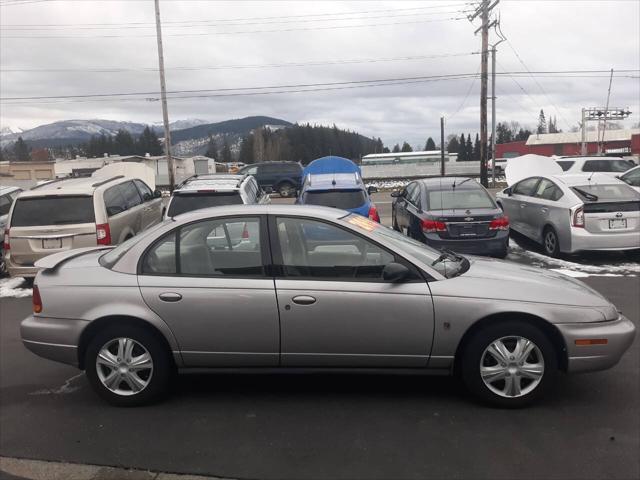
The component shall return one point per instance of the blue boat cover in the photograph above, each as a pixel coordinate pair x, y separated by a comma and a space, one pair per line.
331, 164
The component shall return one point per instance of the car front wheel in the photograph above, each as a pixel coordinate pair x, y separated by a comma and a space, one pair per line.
509, 364
128, 366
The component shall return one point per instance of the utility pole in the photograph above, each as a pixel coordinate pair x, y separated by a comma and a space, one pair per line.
442, 146
583, 126
163, 94
599, 114
604, 123
493, 116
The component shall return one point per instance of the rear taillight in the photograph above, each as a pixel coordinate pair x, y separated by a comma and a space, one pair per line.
500, 223
6, 245
37, 301
430, 226
103, 234
373, 214
577, 219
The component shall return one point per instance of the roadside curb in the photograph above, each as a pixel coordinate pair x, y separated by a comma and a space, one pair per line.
24, 469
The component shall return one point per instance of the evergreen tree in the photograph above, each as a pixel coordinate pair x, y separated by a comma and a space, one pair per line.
226, 152
476, 149
379, 146
21, 152
123, 143
462, 149
542, 123
522, 135
469, 148
396, 148
503, 133
148, 143
212, 149
453, 145
406, 147
246, 150
430, 145
385, 150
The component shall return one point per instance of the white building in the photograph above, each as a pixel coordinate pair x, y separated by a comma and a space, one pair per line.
425, 156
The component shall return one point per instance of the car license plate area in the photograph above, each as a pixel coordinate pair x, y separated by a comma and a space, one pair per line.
51, 243
617, 223
467, 230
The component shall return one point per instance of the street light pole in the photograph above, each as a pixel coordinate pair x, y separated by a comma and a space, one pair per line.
163, 94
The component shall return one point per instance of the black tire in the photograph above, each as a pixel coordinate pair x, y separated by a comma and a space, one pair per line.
550, 242
504, 251
159, 379
29, 281
472, 358
286, 189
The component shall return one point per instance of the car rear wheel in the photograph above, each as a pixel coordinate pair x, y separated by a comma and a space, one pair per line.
128, 366
550, 242
509, 364
286, 189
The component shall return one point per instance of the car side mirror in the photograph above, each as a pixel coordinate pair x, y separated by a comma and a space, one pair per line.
395, 272
508, 191
396, 194
114, 210
157, 193
372, 189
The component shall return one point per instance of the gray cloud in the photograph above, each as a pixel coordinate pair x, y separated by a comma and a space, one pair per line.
548, 35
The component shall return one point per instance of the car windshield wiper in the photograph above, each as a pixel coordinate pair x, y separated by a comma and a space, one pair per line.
447, 255
587, 195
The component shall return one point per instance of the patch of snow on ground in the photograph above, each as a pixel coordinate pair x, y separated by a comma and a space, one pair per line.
627, 269
574, 274
11, 288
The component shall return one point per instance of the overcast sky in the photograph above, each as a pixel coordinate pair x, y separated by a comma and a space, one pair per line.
555, 35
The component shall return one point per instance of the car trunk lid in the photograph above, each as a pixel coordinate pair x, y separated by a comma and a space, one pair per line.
465, 224
612, 217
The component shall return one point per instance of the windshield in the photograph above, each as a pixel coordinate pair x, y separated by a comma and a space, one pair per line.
53, 210
606, 193
187, 203
462, 199
446, 267
110, 258
344, 199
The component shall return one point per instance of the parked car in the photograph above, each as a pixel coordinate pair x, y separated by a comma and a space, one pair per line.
341, 190
451, 212
632, 178
572, 213
282, 177
362, 297
203, 191
7, 197
79, 212
612, 165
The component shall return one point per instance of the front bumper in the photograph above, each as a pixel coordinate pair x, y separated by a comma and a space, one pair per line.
56, 339
474, 246
584, 240
619, 334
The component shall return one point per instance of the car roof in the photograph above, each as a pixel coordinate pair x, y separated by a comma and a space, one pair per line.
588, 158
596, 178
333, 181
312, 211
223, 181
8, 189
73, 186
448, 182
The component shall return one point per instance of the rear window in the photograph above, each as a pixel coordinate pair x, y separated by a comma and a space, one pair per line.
53, 210
344, 199
182, 203
463, 198
606, 193
607, 165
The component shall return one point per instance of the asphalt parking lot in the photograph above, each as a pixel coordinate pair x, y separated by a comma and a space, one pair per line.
321, 426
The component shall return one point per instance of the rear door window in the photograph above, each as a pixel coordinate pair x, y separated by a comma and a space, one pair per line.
53, 210
548, 190
344, 199
114, 201
633, 178
5, 204
130, 193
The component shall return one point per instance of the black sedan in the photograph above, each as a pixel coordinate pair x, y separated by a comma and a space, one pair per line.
456, 213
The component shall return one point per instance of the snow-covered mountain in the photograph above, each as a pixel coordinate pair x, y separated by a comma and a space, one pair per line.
182, 124
9, 131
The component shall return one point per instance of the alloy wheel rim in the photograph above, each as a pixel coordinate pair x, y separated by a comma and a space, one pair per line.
550, 242
124, 366
512, 366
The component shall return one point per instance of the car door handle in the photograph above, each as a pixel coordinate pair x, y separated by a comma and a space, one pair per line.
170, 297
303, 300
523, 205
544, 210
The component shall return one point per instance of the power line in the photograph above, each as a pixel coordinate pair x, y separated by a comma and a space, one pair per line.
199, 34
246, 66
466, 97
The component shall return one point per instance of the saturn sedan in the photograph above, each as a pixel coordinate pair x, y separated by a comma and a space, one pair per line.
249, 288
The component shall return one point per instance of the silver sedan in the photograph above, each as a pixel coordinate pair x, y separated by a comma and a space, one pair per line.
573, 213
272, 288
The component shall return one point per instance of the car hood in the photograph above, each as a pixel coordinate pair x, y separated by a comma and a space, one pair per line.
492, 278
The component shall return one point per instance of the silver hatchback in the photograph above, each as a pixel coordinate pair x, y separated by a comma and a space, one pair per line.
572, 213
276, 287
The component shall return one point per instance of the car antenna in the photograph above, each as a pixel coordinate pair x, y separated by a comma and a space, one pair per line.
589, 179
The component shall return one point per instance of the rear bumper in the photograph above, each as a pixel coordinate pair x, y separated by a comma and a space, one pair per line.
619, 334
475, 246
584, 240
53, 338
16, 270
